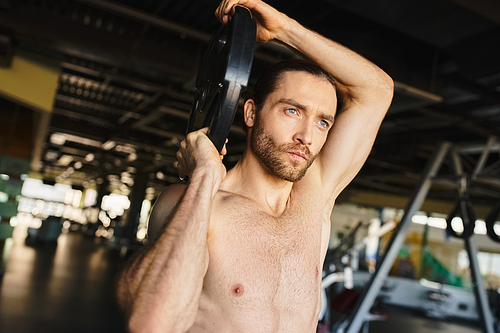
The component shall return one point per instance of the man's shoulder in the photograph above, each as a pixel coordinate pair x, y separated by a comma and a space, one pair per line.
166, 202
171, 194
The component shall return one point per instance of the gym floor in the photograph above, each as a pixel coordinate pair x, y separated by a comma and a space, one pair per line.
68, 288
60, 288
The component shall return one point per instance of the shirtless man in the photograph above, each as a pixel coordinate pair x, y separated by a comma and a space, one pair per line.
243, 251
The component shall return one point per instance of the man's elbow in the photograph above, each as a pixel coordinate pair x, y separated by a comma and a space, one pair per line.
385, 92
387, 85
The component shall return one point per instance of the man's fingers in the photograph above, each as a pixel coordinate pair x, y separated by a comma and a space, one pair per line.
226, 10
221, 13
228, 5
192, 136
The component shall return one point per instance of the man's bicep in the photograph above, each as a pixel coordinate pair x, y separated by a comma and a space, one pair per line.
164, 206
348, 145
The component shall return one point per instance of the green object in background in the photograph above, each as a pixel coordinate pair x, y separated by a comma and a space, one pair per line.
5, 230
8, 209
13, 165
434, 270
12, 187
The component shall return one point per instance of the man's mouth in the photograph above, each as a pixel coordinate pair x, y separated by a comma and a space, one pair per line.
297, 155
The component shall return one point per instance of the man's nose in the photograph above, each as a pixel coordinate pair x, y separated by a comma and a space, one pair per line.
304, 134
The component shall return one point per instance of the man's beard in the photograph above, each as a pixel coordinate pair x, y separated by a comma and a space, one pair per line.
266, 149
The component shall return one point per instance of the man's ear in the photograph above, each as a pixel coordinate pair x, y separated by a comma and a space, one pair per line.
249, 112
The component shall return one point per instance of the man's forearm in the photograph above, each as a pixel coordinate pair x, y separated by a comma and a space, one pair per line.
160, 289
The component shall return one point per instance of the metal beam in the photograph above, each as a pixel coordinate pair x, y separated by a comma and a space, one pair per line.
146, 120
380, 186
390, 165
484, 156
185, 115
137, 15
81, 116
147, 102
80, 102
479, 290
457, 121
476, 148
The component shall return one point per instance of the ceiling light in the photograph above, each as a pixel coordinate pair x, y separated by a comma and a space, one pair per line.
89, 157
58, 139
108, 145
65, 160
51, 155
61, 138
78, 165
132, 157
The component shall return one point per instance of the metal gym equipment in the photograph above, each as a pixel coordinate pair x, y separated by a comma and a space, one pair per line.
222, 77
339, 260
361, 310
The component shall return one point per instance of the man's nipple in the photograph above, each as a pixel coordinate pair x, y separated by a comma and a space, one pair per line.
238, 290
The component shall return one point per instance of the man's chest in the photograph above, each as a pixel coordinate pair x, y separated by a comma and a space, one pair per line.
268, 262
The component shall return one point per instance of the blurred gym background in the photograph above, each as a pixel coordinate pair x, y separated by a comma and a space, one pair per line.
94, 100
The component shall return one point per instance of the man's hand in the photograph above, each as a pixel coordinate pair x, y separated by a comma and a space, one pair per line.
270, 22
196, 150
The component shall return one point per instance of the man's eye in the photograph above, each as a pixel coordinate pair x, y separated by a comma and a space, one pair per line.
292, 111
323, 123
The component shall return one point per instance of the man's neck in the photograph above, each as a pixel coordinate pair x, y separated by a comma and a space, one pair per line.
252, 179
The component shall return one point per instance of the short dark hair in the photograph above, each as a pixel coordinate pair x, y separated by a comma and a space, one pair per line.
269, 79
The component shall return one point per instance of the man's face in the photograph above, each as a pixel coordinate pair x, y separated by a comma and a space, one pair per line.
290, 130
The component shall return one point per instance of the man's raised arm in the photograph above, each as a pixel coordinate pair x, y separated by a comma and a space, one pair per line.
366, 93
159, 290
366, 90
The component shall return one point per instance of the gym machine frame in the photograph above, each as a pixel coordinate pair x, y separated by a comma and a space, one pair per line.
361, 310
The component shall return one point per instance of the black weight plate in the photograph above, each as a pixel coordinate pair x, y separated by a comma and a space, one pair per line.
222, 77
